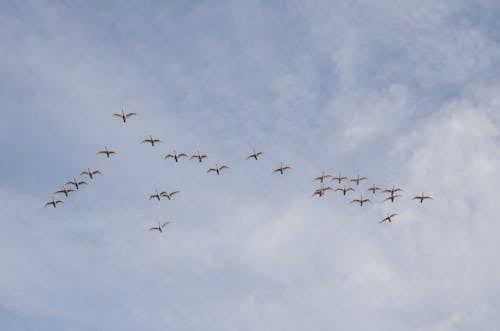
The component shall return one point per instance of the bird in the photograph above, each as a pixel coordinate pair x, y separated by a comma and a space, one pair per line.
321, 191
168, 195
254, 155
160, 227
76, 183
217, 169
392, 190
151, 140
422, 197
198, 156
388, 218
106, 151
339, 178
358, 179
282, 169
53, 202
64, 191
124, 116
374, 189
344, 190
90, 173
322, 178
392, 197
157, 195
175, 156
361, 201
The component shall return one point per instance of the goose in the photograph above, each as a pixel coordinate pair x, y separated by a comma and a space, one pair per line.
361, 201
91, 173
65, 191
151, 140
254, 155
175, 156
422, 197
217, 169
393, 190
388, 218
124, 116
76, 183
282, 169
160, 227
358, 179
106, 151
198, 156
339, 178
374, 189
392, 197
344, 190
322, 178
157, 195
53, 203
169, 195
321, 191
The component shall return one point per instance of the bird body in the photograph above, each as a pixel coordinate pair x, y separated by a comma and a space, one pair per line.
90, 173
339, 178
374, 189
344, 190
175, 156
392, 190
151, 140
76, 183
157, 195
321, 191
281, 169
160, 227
217, 169
392, 197
124, 116
107, 152
388, 218
53, 203
198, 156
254, 155
361, 201
64, 191
169, 195
322, 178
358, 179
422, 197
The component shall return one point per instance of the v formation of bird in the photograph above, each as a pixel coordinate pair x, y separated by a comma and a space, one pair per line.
391, 194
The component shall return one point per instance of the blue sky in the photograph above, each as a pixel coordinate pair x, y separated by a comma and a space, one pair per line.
405, 93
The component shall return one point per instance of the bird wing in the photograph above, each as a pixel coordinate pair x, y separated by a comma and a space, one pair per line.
182, 155
223, 167
363, 178
70, 183
355, 200
130, 114
48, 203
61, 191
211, 169
58, 201
82, 183
366, 200
250, 156
287, 168
118, 115
349, 189
154, 228
84, 173
173, 193
277, 170
168, 156
96, 172
427, 197
152, 196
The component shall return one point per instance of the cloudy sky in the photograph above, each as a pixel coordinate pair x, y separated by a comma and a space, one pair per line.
406, 93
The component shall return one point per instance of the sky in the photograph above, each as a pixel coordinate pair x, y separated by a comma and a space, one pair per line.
406, 93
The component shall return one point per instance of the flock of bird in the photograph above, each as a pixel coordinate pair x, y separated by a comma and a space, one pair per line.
391, 194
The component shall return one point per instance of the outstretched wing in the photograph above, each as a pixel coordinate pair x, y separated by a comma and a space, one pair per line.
168, 156
182, 155
118, 115
130, 114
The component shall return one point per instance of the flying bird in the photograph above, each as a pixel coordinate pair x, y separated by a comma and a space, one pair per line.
361, 201
422, 197
322, 178
254, 155
393, 190
388, 218
124, 116
344, 190
321, 191
282, 169
392, 197
157, 195
91, 173
106, 151
175, 156
374, 189
198, 156
76, 183
217, 169
169, 195
358, 179
151, 140
160, 227
65, 191
53, 203
339, 178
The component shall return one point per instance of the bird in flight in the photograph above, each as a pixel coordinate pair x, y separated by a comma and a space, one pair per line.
217, 169
339, 178
175, 156
392, 190
392, 197
322, 178
53, 203
388, 218
254, 155
91, 173
151, 140
321, 191
124, 116
282, 169
65, 191
422, 197
344, 190
358, 179
169, 195
157, 195
76, 183
361, 201
374, 189
107, 152
160, 227
198, 156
